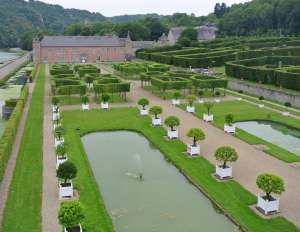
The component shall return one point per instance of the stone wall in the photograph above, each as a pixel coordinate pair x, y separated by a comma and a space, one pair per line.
276, 95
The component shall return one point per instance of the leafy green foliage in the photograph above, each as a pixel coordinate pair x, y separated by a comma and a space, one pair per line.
85, 99
177, 95
191, 99
155, 110
55, 100
229, 119
226, 154
105, 98
172, 121
197, 134
270, 184
61, 150
143, 102
70, 214
59, 132
66, 171
208, 106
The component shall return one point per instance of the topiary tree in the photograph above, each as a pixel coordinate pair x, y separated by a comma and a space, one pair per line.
59, 132
196, 134
89, 79
208, 106
226, 154
200, 93
172, 121
191, 99
61, 150
66, 171
70, 214
261, 98
85, 99
143, 102
229, 119
105, 98
55, 100
155, 110
177, 95
270, 184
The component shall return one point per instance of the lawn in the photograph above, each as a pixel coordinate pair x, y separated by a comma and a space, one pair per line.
233, 198
243, 111
23, 207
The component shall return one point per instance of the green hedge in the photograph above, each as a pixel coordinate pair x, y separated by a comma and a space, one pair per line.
169, 83
71, 90
11, 127
205, 82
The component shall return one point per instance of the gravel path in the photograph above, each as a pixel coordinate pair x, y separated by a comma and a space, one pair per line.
5, 184
50, 203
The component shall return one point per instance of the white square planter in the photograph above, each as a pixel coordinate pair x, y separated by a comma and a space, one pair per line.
65, 230
193, 151
55, 116
65, 192
56, 125
223, 172
217, 100
55, 108
190, 109
285, 113
156, 121
261, 105
85, 107
229, 129
208, 118
239, 99
201, 101
175, 102
268, 206
58, 142
143, 112
60, 160
104, 105
173, 134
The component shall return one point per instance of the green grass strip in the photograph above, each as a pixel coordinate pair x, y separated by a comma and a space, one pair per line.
23, 207
230, 195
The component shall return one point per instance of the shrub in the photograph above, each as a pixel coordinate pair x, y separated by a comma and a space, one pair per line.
66, 171
287, 104
191, 99
196, 134
177, 95
155, 110
229, 119
172, 121
218, 93
270, 184
261, 98
59, 132
70, 214
200, 93
61, 150
105, 98
226, 154
241, 91
143, 102
85, 99
55, 100
208, 106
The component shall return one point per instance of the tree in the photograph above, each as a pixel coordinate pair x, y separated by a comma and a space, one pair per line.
59, 132
155, 26
66, 171
105, 98
55, 100
143, 102
172, 121
155, 110
177, 95
61, 150
137, 30
226, 154
208, 106
89, 79
196, 134
191, 99
270, 184
85, 99
229, 119
70, 214
220, 9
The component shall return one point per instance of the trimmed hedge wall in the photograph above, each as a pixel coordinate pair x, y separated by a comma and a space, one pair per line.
168, 83
71, 90
205, 82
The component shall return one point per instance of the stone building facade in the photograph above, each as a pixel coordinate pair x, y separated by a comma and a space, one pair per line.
86, 49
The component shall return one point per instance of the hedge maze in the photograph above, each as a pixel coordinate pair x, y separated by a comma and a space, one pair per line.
78, 80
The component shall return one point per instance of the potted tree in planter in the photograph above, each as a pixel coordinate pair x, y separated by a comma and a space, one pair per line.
172, 122
269, 184
196, 134
143, 102
70, 216
85, 102
66, 172
59, 132
55, 108
104, 101
156, 111
200, 93
176, 100
225, 154
208, 117
261, 105
229, 127
190, 107
56, 123
61, 155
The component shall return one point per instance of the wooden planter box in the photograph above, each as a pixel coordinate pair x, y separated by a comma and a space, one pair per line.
55, 116
217, 100
143, 112
175, 102
285, 113
201, 101
58, 142
193, 150
85, 107
229, 129
104, 106
173, 134
208, 118
79, 229
60, 160
54, 108
156, 121
261, 105
65, 191
223, 173
190, 109
267, 207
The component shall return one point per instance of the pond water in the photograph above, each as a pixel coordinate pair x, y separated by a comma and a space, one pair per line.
5, 56
163, 201
278, 134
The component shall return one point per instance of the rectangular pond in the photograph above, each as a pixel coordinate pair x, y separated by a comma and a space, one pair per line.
276, 133
144, 193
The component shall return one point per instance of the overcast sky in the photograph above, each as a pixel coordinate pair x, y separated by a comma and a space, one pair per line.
121, 7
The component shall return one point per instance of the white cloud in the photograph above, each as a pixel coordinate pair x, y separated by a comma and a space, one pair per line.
121, 7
